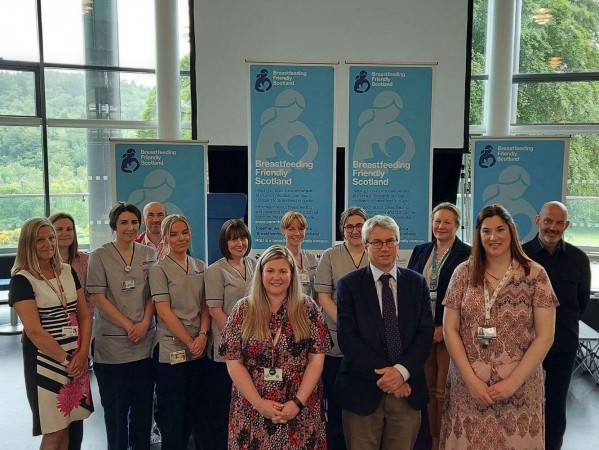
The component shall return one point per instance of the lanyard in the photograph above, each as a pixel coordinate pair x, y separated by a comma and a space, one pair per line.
436, 267
274, 341
490, 302
127, 267
60, 293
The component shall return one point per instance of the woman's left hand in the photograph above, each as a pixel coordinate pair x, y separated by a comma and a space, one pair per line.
198, 345
78, 366
502, 390
290, 411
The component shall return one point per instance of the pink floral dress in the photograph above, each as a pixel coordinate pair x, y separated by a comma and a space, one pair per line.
517, 422
248, 429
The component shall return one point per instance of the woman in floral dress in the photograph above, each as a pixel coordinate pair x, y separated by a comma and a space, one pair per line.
498, 324
274, 342
49, 300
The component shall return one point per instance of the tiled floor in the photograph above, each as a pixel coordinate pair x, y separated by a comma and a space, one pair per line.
15, 416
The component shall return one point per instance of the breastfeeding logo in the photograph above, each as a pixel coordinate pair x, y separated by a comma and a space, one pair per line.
262, 83
362, 84
487, 158
129, 164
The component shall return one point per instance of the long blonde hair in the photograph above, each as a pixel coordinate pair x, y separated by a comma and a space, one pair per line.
257, 316
26, 257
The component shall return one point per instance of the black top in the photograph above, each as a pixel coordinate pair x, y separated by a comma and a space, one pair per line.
459, 253
569, 271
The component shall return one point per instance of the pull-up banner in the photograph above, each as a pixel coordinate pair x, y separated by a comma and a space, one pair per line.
520, 174
291, 162
390, 156
170, 172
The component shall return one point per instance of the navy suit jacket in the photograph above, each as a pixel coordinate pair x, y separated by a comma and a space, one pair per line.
458, 254
361, 334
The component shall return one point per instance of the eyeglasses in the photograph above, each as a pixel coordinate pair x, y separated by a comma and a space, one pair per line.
351, 228
391, 243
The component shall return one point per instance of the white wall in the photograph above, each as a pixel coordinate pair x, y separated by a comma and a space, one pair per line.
230, 31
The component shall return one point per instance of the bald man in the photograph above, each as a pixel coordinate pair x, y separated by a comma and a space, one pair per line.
152, 217
569, 270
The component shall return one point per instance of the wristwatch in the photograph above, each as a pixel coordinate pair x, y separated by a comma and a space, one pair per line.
67, 360
298, 402
205, 332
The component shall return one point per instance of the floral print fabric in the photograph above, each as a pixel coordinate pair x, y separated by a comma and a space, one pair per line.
248, 429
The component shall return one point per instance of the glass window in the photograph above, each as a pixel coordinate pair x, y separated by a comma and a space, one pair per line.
63, 29
559, 36
108, 95
477, 97
558, 103
21, 180
17, 93
18, 24
583, 191
479, 36
137, 33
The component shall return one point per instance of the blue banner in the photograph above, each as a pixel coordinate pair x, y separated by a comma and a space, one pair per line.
520, 174
172, 173
291, 152
389, 165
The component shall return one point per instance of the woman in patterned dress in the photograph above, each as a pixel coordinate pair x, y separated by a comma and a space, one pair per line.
274, 343
49, 300
498, 324
68, 247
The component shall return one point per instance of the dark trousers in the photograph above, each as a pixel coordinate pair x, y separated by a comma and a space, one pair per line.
558, 371
181, 403
126, 394
75, 435
334, 424
220, 385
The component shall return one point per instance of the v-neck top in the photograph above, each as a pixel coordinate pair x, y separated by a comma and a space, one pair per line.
184, 289
224, 287
107, 275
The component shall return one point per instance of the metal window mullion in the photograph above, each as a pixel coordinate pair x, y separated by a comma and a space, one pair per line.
41, 86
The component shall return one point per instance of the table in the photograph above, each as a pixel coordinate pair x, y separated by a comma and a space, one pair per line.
587, 356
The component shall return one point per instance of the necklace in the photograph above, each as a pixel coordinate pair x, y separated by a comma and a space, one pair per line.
127, 267
491, 275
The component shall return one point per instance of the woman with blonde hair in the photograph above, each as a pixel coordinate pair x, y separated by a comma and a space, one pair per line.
293, 228
48, 298
68, 247
274, 343
177, 286
437, 260
498, 325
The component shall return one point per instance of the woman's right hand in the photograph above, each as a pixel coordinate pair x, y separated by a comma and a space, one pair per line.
271, 410
478, 391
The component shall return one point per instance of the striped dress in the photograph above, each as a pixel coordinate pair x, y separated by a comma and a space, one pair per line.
55, 399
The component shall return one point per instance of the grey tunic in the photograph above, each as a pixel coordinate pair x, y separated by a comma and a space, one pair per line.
335, 262
106, 275
224, 286
308, 272
169, 282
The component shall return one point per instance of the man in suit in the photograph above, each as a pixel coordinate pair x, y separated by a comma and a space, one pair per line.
569, 271
385, 331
